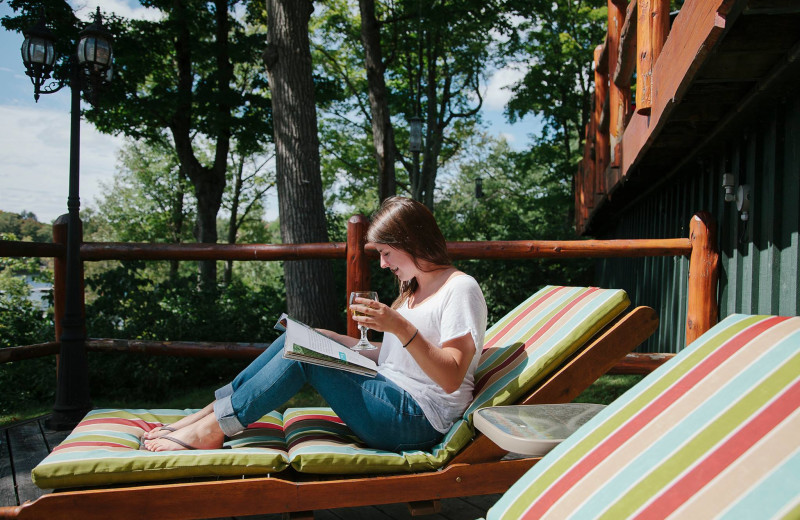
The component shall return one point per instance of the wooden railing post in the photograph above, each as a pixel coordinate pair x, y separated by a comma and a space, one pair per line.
702, 312
601, 151
651, 33
619, 98
357, 262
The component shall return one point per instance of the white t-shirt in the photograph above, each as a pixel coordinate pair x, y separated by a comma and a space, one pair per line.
456, 309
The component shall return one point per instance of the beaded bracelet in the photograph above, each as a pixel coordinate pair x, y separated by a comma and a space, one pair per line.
412, 339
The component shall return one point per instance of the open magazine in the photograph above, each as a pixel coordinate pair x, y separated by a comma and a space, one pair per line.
305, 343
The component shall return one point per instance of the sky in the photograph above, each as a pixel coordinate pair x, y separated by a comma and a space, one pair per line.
34, 137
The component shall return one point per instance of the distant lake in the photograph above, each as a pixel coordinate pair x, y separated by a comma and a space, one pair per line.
39, 292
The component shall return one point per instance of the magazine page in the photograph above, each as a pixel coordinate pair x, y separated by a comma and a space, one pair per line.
307, 344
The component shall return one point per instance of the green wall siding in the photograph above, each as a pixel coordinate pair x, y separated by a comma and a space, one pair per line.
759, 259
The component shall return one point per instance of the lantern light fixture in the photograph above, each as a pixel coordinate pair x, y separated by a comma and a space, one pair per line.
38, 54
94, 57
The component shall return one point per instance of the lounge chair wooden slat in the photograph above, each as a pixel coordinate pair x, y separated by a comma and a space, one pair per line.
267, 495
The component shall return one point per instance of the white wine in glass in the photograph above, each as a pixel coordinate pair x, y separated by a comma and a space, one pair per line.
363, 344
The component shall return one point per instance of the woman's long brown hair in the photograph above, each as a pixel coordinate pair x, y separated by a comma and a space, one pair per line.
410, 226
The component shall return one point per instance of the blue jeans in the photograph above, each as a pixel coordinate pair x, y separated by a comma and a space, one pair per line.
378, 411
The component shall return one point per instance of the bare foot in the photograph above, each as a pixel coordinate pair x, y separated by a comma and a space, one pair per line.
204, 434
168, 429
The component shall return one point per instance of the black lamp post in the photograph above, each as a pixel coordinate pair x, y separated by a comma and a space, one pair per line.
90, 70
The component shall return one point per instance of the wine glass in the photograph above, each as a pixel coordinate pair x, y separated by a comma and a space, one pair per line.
362, 344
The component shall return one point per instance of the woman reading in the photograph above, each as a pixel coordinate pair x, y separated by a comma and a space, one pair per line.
433, 336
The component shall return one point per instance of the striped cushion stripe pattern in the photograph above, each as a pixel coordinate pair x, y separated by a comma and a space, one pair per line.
103, 449
338, 451
537, 336
712, 433
524, 346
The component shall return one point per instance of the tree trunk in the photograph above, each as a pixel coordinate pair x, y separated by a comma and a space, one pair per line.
309, 283
208, 182
233, 223
435, 122
177, 223
382, 131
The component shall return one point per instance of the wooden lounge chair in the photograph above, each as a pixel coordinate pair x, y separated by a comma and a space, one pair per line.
713, 433
536, 354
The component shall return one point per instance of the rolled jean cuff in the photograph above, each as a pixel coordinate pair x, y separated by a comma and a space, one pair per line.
226, 417
225, 391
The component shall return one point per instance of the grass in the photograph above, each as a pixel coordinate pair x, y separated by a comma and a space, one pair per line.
607, 388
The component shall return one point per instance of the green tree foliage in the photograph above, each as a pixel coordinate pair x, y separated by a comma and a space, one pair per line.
194, 73
521, 201
130, 304
148, 199
24, 322
557, 39
25, 226
435, 56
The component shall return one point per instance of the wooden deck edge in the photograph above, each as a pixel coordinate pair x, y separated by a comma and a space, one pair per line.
267, 495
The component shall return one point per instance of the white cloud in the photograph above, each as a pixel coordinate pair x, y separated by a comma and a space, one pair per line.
498, 88
132, 10
34, 174
508, 136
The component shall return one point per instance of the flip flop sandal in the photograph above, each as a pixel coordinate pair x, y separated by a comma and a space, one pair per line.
178, 442
166, 428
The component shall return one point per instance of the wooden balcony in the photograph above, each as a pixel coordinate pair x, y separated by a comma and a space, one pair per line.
698, 72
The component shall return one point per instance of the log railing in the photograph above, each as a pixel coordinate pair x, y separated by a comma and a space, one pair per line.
665, 59
700, 247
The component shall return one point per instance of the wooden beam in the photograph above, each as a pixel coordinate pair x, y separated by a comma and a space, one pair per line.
626, 54
18, 249
702, 311
602, 59
619, 98
10, 354
358, 276
640, 363
227, 498
521, 249
694, 34
199, 251
602, 150
651, 32
203, 349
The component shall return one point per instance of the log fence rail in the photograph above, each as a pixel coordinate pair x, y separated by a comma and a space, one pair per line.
700, 247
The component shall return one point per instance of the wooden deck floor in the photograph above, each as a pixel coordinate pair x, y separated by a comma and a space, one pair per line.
24, 445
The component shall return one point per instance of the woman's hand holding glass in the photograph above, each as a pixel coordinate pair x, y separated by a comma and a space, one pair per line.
360, 302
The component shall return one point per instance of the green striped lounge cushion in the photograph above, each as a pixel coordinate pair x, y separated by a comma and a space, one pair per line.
104, 449
713, 433
537, 336
524, 346
520, 349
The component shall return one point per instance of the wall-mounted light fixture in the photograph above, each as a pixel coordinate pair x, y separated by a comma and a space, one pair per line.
741, 195
729, 185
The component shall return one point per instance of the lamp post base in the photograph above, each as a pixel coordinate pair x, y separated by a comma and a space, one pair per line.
65, 420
